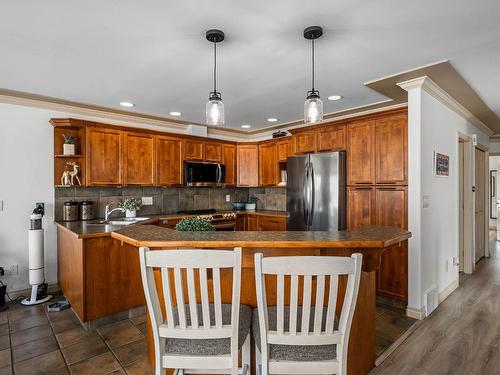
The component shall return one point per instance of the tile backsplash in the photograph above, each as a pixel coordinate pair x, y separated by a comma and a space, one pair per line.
170, 200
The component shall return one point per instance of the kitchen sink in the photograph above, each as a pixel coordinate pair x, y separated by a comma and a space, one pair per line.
121, 221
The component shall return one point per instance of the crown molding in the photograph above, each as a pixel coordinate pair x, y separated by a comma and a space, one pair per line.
432, 88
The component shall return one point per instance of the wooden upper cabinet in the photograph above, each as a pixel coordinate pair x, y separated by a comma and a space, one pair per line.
213, 152
230, 162
104, 161
391, 154
193, 150
360, 206
361, 153
331, 138
140, 160
305, 142
284, 149
268, 165
169, 160
391, 209
248, 165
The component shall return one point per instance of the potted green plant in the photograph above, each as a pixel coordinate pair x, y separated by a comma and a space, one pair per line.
194, 224
131, 205
69, 145
251, 204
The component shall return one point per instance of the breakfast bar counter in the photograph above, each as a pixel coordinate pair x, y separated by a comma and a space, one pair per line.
371, 241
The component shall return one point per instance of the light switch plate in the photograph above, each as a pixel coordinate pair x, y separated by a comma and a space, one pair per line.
228, 198
147, 201
426, 201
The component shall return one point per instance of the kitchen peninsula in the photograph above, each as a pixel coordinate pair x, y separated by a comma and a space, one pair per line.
371, 241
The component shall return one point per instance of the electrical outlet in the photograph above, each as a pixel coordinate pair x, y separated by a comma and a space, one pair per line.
228, 198
147, 201
11, 270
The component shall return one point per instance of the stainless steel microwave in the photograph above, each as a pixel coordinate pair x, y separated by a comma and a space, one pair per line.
204, 174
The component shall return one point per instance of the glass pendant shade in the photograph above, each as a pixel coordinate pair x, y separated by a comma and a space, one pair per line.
313, 110
215, 112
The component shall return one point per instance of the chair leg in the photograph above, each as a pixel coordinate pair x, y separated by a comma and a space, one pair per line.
246, 354
258, 361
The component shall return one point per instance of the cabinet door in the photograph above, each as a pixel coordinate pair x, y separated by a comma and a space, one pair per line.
169, 160
139, 159
284, 149
213, 152
360, 206
361, 153
391, 142
241, 222
272, 223
252, 223
230, 162
268, 165
248, 165
331, 138
391, 209
193, 150
104, 150
305, 142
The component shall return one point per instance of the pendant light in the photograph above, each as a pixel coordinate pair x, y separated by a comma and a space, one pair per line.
313, 106
215, 106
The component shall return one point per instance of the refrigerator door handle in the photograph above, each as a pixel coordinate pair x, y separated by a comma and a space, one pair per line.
305, 205
311, 200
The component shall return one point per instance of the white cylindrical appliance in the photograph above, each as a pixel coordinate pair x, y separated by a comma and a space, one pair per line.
36, 260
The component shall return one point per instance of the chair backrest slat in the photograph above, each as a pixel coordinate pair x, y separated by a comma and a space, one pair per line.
332, 303
280, 305
205, 306
318, 308
217, 298
306, 305
192, 298
179, 296
167, 295
294, 298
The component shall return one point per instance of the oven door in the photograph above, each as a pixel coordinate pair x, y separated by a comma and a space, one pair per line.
225, 226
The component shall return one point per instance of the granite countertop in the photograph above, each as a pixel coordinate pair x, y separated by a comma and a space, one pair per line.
89, 229
362, 237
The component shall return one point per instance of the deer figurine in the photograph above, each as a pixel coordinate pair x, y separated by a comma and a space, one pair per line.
68, 177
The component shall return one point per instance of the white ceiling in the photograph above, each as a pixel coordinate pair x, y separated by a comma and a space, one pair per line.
154, 53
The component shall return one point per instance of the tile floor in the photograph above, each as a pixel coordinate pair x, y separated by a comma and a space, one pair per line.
390, 324
33, 341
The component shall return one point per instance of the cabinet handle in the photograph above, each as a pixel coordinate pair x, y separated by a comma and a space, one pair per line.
363, 183
363, 188
387, 188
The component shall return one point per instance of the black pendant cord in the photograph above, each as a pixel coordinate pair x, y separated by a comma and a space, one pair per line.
215, 67
312, 41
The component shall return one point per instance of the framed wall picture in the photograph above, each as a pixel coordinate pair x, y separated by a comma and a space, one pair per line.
441, 165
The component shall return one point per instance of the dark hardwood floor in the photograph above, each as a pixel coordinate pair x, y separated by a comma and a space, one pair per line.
462, 336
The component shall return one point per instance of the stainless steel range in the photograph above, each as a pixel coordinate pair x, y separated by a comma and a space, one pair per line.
222, 221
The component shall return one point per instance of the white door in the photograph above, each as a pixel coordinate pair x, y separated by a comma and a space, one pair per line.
479, 196
497, 194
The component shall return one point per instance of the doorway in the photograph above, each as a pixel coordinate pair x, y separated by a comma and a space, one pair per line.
465, 251
479, 240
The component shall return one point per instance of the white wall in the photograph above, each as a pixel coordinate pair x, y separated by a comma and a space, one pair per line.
433, 127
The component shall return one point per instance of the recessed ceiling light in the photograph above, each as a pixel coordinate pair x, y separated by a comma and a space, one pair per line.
127, 104
175, 113
335, 97
246, 126
273, 119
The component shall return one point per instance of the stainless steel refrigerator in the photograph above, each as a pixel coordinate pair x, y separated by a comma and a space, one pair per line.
316, 192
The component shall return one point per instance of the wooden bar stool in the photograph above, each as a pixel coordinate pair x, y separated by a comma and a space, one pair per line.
197, 336
321, 344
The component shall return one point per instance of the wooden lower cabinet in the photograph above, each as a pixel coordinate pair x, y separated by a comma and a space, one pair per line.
392, 208
271, 223
99, 276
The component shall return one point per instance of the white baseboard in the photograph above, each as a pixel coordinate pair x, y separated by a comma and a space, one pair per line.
448, 290
52, 288
415, 313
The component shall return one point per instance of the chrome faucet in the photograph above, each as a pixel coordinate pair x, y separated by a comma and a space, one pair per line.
107, 212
